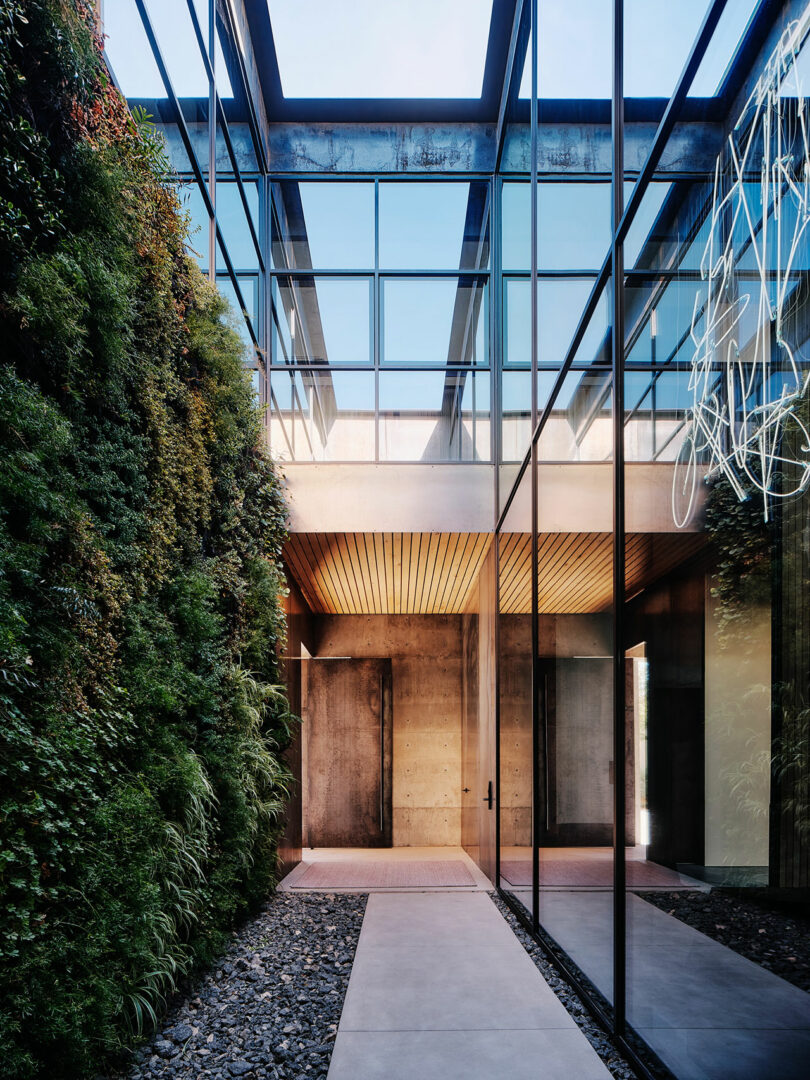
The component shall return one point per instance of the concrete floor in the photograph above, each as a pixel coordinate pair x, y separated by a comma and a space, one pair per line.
709, 1013
441, 989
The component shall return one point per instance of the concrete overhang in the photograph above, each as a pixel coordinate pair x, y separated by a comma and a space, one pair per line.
572, 497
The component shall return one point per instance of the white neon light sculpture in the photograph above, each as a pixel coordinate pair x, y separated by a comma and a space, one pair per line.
743, 398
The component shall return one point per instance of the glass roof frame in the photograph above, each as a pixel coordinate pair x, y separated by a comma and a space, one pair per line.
506, 52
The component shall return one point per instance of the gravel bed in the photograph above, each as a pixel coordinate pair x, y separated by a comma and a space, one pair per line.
616, 1064
770, 937
271, 1007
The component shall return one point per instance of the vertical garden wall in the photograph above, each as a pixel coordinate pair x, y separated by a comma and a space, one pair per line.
140, 530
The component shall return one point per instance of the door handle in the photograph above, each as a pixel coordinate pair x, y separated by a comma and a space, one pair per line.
488, 798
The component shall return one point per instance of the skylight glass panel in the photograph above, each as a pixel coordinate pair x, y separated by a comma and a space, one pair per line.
131, 57
574, 59
381, 49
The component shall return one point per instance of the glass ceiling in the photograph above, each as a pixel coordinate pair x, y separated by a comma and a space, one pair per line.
658, 38
381, 48
131, 57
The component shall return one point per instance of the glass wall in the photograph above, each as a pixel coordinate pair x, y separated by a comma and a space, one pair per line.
380, 312
669, 689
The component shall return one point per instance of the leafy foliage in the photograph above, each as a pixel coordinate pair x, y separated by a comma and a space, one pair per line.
141, 726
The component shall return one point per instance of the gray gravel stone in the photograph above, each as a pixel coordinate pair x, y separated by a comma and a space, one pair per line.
270, 1008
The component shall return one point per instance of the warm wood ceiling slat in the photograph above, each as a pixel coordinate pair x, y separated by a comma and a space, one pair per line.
410, 573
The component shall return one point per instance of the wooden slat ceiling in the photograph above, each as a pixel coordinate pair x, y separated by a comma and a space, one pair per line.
575, 569
433, 573
386, 573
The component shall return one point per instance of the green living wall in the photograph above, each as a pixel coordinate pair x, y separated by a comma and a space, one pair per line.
141, 787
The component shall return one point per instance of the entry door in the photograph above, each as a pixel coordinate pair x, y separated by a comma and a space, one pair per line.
349, 753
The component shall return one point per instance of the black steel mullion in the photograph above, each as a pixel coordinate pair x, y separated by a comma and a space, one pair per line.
496, 348
617, 351
376, 316
533, 479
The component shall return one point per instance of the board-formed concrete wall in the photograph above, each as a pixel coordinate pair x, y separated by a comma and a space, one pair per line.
426, 655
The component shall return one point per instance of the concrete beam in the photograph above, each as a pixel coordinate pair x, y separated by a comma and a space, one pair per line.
382, 148
390, 498
459, 498
586, 148
564, 148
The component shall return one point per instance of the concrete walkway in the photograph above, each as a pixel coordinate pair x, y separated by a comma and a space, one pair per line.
441, 989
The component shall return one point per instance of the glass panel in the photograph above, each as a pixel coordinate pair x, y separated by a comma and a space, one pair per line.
573, 225
249, 287
658, 37
516, 419
422, 49
575, 678
129, 53
178, 45
322, 415
574, 58
560, 303
321, 320
434, 321
328, 226
192, 202
234, 225
515, 695
584, 246
434, 226
434, 416
717, 614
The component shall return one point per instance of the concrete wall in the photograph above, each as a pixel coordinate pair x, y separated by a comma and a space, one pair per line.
299, 640
738, 738
426, 654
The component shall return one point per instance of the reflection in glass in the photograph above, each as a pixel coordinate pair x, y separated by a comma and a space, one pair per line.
434, 416
434, 321
515, 695
324, 226
321, 320
575, 683
322, 415
434, 226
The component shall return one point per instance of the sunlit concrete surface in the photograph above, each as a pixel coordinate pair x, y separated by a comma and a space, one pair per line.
441, 989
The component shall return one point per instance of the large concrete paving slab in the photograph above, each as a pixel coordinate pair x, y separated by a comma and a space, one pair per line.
441, 988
